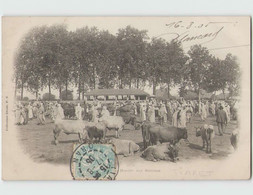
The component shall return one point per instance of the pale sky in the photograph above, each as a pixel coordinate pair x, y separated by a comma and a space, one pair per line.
221, 35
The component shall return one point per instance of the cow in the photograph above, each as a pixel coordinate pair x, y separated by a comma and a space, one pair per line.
96, 131
154, 134
164, 151
207, 133
69, 127
124, 147
113, 122
234, 139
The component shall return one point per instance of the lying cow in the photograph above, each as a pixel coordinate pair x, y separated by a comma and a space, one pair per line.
113, 122
207, 133
154, 134
164, 151
69, 127
234, 139
124, 147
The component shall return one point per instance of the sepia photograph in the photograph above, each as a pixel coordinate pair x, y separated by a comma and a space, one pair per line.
126, 98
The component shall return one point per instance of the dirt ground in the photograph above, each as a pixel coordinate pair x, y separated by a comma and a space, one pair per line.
37, 142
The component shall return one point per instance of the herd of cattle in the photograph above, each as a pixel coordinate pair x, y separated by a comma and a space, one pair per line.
160, 142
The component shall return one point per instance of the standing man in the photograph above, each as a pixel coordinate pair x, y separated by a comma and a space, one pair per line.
162, 114
221, 119
143, 112
105, 112
151, 113
25, 110
94, 114
40, 114
61, 111
78, 112
181, 118
174, 118
30, 111
203, 113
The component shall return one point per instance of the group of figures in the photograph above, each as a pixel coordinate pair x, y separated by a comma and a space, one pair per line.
160, 121
177, 112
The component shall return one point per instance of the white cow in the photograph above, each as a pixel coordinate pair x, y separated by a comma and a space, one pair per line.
69, 127
113, 122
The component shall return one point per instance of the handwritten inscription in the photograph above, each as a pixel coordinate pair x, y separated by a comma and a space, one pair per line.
184, 37
191, 24
182, 32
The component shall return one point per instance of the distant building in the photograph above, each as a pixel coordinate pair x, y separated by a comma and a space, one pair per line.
116, 94
222, 96
192, 95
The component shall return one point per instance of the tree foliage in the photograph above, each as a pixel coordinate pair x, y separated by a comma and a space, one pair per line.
53, 57
66, 95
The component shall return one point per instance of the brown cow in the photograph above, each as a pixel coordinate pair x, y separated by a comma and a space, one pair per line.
96, 131
154, 134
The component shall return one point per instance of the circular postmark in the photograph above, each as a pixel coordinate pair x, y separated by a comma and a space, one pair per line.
94, 162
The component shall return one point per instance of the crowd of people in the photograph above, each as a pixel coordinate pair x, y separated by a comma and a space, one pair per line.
175, 112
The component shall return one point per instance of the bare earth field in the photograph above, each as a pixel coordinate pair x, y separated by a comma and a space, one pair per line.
37, 142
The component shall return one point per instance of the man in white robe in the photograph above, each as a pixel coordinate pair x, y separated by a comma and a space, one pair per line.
94, 114
151, 113
60, 112
174, 118
203, 113
163, 114
143, 112
78, 111
105, 112
181, 118
30, 111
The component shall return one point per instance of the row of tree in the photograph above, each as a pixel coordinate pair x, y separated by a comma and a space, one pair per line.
53, 57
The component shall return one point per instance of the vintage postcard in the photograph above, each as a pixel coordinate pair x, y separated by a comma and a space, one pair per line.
126, 98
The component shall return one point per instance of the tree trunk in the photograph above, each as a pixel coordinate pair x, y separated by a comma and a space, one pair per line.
94, 77
82, 95
199, 99
224, 95
138, 83
130, 80
66, 95
83, 90
60, 92
154, 88
120, 84
49, 89
22, 90
79, 88
168, 89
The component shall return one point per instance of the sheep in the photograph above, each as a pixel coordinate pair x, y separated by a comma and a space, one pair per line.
207, 133
69, 127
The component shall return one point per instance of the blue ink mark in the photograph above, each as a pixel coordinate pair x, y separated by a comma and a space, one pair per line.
94, 162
